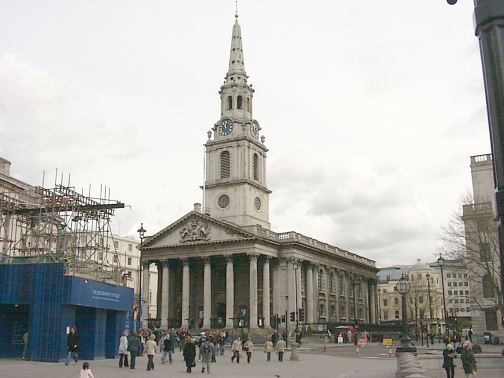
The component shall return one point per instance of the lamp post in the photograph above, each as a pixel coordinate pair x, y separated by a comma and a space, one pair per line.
488, 20
141, 232
441, 262
429, 329
403, 288
355, 280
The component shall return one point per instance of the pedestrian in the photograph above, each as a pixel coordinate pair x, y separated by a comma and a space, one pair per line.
133, 348
72, 344
86, 371
167, 349
222, 343
470, 334
235, 348
189, 353
247, 347
274, 338
448, 364
207, 350
468, 360
268, 348
151, 349
349, 336
280, 348
26, 339
123, 350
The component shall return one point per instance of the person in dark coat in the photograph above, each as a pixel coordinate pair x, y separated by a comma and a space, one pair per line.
468, 360
448, 356
133, 348
189, 353
72, 344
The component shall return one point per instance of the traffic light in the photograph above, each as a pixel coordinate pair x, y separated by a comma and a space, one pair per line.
301, 315
292, 316
455, 319
283, 318
502, 320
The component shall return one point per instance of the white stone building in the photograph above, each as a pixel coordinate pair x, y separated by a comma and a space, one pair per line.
222, 266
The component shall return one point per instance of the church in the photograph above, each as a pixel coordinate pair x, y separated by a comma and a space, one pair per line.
221, 265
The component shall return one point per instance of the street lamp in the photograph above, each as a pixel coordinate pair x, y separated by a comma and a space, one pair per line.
403, 288
429, 330
141, 232
441, 262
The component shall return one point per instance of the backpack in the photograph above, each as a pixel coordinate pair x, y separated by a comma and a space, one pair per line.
206, 349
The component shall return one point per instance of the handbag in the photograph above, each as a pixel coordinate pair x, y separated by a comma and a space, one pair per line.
193, 363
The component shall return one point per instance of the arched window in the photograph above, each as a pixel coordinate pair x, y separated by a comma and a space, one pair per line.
225, 164
488, 286
229, 103
255, 167
239, 102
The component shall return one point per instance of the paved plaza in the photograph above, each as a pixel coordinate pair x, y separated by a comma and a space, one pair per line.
315, 365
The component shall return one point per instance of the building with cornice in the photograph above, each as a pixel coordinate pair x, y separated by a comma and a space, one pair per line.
221, 265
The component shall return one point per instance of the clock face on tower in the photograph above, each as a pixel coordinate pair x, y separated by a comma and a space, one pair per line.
254, 128
225, 126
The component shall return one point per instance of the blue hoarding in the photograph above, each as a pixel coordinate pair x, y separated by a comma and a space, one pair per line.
85, 292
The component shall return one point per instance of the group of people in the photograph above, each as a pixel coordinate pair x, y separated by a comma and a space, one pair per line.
467, 357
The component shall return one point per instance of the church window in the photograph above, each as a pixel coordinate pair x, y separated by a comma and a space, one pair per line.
223, 201
229, 103
225, 164
255, 167
239, 102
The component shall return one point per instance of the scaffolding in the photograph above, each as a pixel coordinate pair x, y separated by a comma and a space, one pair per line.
59, 224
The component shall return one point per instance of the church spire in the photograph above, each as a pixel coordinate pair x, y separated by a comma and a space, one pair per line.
236, 63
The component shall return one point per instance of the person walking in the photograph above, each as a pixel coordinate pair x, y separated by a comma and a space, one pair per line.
167, 349
207, 350
151, 349
235, 348
123, 350
86, 371
133, 348
468, 360
268, 348
247, 347
26, 339
448, 356
189, 353
280, 347
72, 344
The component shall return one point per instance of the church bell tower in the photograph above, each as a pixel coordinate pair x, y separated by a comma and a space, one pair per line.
235, 185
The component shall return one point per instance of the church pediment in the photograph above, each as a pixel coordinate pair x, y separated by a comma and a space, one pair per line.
195, 228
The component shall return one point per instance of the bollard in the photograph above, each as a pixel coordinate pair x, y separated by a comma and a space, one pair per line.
294, 353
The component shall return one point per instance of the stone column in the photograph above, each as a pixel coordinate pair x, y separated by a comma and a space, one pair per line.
372, 300
327, 276
348, 291
229, 291
316, 316
336, 293
253, 290
165, 303
266, 292
291, 291
207, 293
145, 293
185, 293
276, 290
299, 266
309, 294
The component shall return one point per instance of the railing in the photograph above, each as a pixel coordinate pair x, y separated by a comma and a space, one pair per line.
481, 158
295, 236
477, 208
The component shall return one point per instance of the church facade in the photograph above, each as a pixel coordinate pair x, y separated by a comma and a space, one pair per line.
221, 265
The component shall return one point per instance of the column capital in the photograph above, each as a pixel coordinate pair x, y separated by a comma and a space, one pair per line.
206, 260
145, 264
266, 258
184, 261
253, 255
229, 258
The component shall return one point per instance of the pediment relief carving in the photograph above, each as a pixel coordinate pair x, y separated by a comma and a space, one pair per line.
195, 230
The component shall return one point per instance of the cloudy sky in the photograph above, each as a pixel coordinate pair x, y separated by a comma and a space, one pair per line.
370, 109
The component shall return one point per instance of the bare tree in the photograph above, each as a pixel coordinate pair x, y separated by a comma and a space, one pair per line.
470, 241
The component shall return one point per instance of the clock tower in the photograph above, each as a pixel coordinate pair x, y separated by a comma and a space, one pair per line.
235, 170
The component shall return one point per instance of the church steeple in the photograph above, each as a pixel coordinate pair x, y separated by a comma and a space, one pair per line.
236, 61
235, 185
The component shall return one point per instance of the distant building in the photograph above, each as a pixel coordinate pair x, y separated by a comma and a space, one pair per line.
482, 252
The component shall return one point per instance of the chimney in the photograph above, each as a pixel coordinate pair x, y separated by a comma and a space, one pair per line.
5, 166
197, 207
